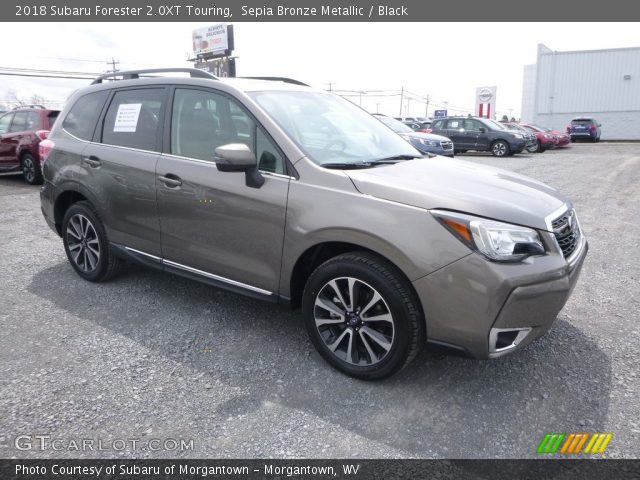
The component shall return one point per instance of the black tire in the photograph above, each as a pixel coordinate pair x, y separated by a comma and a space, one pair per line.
31, 170
500, 148
596, 140
398, 301
537, 148
92, 267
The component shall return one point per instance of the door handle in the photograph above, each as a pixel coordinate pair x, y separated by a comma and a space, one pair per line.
92, 161
170, 180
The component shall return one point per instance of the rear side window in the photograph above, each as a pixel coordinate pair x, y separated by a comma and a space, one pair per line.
133, 119
33, 121
19, 123
81, 119
437, 125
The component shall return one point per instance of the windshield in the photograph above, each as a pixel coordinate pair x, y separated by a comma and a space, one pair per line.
330, 129
395, 125
495, 125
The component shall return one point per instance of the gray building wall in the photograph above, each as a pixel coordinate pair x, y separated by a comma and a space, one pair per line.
604, 84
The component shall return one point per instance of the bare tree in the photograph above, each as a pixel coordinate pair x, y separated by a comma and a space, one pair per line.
38, 99
14, 99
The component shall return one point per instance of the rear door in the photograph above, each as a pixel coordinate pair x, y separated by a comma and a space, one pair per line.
119, 166
456, 132
11, 139
212, 223
5, 145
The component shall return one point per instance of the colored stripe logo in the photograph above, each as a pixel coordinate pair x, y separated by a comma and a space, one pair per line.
573, 443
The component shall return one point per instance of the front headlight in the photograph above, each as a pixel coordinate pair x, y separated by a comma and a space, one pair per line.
428, 143
502, 242
518, 135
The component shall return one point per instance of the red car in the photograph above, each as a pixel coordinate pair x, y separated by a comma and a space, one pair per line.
21, 131
547, 138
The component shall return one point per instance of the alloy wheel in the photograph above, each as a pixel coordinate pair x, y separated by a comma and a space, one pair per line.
83, 243
354, 321
29, 169
499, 149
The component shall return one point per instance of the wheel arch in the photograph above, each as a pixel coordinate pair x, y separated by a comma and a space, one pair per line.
320, 252
70, 194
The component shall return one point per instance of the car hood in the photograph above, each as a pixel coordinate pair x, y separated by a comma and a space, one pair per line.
425, 136
462, 186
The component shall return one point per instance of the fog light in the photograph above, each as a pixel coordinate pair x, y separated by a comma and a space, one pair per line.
504, 340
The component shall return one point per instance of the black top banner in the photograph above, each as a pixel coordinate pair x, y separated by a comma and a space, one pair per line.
316, 10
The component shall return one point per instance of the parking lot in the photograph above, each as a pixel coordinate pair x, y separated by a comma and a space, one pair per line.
154, 356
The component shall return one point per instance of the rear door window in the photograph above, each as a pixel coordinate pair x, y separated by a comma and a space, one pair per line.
83, 116
19, 123
133, 119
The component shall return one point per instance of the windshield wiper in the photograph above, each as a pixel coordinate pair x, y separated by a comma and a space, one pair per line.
347, 166
393, 159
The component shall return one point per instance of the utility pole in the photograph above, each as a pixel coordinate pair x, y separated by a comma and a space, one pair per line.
401, 98
113, 64
408, 106
377, 107
426, 110
330, 84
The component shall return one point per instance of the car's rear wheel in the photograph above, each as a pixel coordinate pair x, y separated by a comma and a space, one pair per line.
31, 171
86, 244
363, 316
500, 148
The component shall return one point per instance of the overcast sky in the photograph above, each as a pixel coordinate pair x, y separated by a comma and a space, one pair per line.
445, 60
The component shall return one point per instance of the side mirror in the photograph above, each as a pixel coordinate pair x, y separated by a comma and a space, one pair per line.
237, 157
482, 130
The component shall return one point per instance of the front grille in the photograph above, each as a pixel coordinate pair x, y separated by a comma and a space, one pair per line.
447, 145
567, 232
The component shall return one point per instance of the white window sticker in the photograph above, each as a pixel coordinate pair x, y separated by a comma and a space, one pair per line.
127, 117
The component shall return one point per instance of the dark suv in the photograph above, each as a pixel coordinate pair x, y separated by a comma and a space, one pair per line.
21, 131
296, 195
481, 134
586, 128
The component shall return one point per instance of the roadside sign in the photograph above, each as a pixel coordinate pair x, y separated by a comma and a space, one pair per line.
440, 113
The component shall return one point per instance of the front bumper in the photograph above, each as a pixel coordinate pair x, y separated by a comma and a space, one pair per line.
471, 303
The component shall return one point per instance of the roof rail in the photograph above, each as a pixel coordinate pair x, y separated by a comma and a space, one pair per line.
29, 106
279, 79
131, 74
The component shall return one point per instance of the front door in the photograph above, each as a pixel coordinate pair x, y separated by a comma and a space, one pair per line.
212, 223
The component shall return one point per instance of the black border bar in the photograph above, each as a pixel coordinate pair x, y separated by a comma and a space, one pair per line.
192, 469
318, 11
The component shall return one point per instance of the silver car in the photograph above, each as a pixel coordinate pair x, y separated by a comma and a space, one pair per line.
295, 195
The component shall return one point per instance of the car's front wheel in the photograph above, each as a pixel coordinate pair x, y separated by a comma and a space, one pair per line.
500, 148
535, 148
31, 171
363, 316
86, 245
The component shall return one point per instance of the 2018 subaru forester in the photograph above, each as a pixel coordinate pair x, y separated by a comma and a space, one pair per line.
291, 194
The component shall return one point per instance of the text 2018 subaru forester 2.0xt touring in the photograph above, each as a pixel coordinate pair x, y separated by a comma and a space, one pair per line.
236, 183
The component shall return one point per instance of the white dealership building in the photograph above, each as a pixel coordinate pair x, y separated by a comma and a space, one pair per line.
603, 84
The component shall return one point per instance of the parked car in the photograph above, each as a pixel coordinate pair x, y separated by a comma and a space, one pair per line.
586, 128
481, 134
546, 139
21, 131
231, 182
530, 138
423, 142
